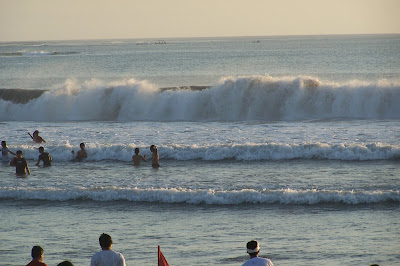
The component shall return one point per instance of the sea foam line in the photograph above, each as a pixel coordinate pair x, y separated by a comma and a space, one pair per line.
201, 196
232, 99
240, 152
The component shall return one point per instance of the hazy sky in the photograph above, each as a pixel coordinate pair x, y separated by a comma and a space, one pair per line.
24, 20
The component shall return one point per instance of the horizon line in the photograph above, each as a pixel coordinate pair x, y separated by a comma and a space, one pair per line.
205, 37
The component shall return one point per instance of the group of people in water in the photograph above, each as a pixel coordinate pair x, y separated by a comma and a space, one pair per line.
21, 164
109, 257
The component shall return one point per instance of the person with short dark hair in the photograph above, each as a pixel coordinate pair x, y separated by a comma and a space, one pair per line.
37, 257
4, 152
81, 153
253, 248
107, 257
36, 138
137, 158
65, 263
20, 163
154, 156
45, 157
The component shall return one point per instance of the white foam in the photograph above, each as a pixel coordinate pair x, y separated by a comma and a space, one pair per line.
242, 152
192, 196
37, 53
232, 99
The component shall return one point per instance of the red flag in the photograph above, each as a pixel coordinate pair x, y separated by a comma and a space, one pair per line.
161, 259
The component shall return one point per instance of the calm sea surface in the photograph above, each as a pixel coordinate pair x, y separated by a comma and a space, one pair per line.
294, 142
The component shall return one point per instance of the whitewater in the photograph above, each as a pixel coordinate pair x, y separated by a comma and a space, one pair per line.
232, 99
292, 140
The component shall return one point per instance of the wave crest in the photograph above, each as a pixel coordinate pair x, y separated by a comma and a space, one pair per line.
241, 152
232, 99
213, 197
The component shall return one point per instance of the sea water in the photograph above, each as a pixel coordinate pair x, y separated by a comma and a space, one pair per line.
294, 142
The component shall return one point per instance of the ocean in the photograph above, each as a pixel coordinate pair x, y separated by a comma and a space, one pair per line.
290, 140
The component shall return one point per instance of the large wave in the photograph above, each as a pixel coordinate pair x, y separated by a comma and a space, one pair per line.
204, 196
232, 99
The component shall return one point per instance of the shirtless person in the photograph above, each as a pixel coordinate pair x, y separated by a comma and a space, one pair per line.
154, 157
81, 153
21, 165
36, 138
45, 157
4, 152
137, 158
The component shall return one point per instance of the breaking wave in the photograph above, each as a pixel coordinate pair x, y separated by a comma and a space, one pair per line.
240, 152
232, 99
204, 196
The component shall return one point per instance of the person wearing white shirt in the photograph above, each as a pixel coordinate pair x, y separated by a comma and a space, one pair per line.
107, 257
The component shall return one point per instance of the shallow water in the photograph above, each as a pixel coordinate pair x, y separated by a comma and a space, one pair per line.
203, 234
308, 198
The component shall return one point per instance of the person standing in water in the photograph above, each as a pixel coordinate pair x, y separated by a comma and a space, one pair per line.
138, 158
4, 152
154, 157
81, 153
45, 157
36, 138
20, 163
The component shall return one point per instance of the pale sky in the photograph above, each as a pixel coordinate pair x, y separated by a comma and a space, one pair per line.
35, 20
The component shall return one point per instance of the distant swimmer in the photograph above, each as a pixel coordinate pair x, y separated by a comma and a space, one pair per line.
45, 157
81, 153
36, 138
138, 158
20, 163
154, 157
4, 152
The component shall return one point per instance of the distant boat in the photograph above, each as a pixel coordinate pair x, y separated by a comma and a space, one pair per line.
256, 41
160, 42
142, 43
